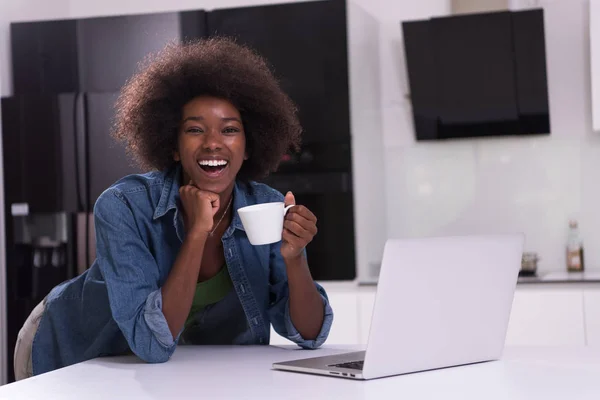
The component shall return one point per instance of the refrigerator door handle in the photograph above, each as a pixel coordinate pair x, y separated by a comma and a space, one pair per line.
85, 241
86, 179
79, 138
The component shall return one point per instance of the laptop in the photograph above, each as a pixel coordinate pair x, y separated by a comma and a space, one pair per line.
440, 302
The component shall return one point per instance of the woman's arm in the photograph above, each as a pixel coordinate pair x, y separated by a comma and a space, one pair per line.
131, 276
306, 304
283, 303
149, 319
179, 288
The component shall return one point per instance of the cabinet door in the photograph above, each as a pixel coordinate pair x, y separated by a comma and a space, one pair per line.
547, 317
345, 317
591, 299
44, 57
110, 48
305, 43
276, 339
11, 148
93, 54
33, 152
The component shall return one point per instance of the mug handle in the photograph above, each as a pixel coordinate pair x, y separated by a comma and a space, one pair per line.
285, 209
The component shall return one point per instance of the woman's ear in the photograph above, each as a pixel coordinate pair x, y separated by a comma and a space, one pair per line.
176, 156
246, 155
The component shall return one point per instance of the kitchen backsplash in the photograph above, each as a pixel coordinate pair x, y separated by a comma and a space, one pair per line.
533, 186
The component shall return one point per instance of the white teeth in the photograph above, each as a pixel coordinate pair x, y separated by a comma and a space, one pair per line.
212, 163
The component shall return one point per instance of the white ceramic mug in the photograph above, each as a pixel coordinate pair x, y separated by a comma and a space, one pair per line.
263, 223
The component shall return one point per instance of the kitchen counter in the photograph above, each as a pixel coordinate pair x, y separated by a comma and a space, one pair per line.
592, 276
552, 277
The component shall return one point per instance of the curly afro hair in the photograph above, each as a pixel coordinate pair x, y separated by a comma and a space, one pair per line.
149, 108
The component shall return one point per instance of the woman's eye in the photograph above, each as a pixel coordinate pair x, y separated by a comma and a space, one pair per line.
231, 130
194, 130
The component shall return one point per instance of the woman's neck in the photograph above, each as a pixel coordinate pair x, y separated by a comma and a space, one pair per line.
225, 203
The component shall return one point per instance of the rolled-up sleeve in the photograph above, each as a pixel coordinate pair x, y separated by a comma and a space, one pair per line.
296, 337
279, 312
132, 278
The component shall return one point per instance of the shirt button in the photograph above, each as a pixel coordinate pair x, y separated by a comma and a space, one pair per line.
255, 321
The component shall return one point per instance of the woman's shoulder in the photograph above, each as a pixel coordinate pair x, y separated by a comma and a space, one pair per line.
138, 189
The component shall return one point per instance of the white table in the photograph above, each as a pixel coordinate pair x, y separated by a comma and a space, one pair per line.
245, 373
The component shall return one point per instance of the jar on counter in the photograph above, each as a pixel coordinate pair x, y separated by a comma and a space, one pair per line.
529, 264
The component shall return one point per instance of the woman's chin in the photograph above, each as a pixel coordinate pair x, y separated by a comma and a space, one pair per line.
218, 187
215, 182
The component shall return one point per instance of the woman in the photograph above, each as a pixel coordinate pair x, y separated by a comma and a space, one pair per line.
174, 264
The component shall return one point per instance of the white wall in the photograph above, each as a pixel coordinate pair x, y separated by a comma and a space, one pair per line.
532, 184
23, 10
3, 372
79, 9
367, 139
395, 121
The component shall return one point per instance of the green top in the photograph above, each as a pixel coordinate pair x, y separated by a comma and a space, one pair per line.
210, 291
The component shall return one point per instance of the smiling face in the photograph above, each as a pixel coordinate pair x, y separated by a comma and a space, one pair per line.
211, 144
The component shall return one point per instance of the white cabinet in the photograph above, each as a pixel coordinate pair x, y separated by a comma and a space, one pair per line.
591, 298
541, 315
276, 339
345, 317
546, 316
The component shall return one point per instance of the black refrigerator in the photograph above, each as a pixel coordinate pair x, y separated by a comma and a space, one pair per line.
58, 158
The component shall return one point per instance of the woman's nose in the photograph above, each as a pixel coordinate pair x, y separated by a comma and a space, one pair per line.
212, 140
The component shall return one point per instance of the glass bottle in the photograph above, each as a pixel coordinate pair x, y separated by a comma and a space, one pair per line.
574, 249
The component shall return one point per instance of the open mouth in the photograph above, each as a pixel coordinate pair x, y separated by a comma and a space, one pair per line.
213, 167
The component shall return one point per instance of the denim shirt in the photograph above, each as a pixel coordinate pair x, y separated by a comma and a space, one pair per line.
116, 305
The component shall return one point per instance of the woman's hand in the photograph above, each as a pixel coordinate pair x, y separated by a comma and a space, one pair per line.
200, 207
299, 228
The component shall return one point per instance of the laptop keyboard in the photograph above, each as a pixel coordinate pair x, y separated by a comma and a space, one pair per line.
352, 365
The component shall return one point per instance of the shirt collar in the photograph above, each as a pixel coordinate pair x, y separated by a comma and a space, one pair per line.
169, 195
169, 198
